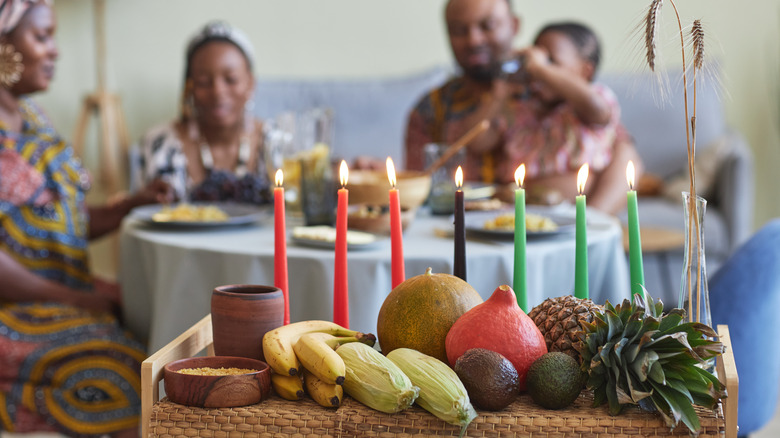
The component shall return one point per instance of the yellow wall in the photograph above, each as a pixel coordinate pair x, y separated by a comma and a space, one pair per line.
358, 38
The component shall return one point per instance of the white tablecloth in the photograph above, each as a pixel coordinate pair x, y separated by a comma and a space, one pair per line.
167, 275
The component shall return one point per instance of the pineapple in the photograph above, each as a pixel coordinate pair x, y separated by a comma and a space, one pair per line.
559, 321
634, 354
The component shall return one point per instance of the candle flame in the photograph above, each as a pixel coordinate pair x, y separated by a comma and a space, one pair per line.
630, 174
582, 178
343, 173
391, 171
279, 178
520, 175
459, 177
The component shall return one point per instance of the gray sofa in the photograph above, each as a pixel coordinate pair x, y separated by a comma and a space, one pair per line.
370, 118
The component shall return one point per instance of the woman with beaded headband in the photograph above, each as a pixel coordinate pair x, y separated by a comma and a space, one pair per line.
66, 365
214, 150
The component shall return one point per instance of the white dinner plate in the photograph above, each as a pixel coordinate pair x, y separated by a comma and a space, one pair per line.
238, 214
326, 238
474, 222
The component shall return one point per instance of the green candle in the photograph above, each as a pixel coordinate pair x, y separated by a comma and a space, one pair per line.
581, 249
520, 283
634, 240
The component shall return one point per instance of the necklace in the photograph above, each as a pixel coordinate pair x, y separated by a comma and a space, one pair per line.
244, 150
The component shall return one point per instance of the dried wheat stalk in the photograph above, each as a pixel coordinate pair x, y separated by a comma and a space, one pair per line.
697, 35
651, 32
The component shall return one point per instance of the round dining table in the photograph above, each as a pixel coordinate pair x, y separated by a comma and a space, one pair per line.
167, 274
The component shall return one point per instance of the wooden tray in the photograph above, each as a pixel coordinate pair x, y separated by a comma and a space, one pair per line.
280, 418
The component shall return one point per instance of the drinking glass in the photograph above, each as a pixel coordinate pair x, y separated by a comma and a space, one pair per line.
442, 197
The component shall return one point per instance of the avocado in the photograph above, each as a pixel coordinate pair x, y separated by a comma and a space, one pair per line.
489, 378
555, 380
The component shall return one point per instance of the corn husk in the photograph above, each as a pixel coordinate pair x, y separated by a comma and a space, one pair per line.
441, 391
374, 380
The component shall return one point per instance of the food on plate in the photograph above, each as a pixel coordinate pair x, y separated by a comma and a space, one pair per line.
490, 378
208, 371
190, 213
419, 312
327, 233
533, 223
485, 204
499, 325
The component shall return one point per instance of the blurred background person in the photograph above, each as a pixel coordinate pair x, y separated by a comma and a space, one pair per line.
66, 364
214, 150
555, 120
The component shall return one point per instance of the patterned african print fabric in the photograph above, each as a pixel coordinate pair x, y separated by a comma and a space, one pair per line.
159, 154
554, 144
62, 368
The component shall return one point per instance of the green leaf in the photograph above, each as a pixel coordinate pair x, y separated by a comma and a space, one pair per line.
680, 387
615, 325
681, 405
604, 353
671, 320
704, 329
641, 366
599, 395
619, 347
631, 352
637, 390
625, 313
657, 373
612, 399
671, 342
669, 415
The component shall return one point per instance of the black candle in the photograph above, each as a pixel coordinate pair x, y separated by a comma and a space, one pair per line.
460, 229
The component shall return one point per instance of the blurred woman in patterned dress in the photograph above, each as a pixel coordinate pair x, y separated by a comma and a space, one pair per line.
214, 150
65, 363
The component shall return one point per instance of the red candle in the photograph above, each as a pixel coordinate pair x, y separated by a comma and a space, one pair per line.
460, 229
396, 232
340, 280
280, 245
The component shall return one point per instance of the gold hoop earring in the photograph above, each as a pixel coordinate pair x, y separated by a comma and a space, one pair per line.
11, 66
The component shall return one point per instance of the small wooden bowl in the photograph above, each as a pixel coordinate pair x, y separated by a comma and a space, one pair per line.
224, 391
371, 187
378, 221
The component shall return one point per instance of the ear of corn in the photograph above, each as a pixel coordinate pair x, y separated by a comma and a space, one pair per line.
374, 380
441, 391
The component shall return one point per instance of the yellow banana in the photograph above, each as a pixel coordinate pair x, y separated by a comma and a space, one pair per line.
288, 387
278, 343
325, 394
316, 351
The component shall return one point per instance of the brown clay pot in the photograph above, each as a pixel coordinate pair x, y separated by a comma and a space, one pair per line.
241, 314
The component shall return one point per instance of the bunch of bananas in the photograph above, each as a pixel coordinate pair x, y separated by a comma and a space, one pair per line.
302, 355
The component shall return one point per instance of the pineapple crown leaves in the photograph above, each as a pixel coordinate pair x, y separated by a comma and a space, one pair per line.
635, 354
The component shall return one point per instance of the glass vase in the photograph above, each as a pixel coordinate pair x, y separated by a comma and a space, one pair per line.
694, 293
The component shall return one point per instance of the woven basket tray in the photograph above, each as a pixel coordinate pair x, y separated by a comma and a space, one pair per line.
276, 417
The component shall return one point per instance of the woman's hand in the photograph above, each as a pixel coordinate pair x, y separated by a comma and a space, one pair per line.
106, 219
156, 192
